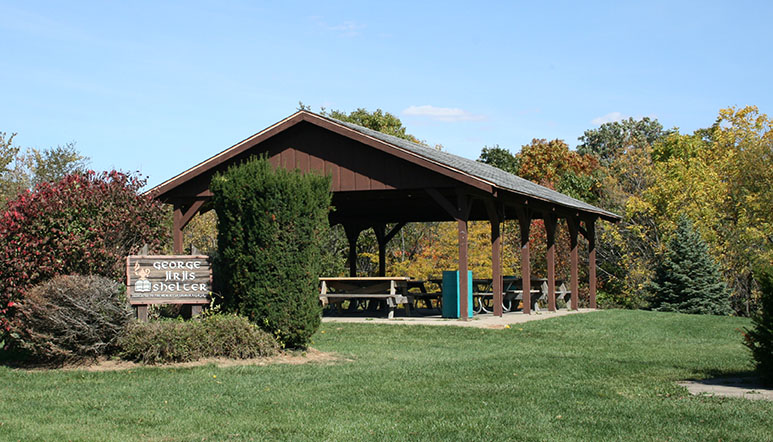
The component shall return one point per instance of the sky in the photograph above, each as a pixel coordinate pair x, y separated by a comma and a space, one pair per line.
160, 86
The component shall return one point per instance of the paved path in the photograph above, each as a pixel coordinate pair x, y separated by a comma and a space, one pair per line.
481, 321
745, 387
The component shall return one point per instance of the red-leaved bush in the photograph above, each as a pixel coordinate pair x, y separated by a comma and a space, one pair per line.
84, 224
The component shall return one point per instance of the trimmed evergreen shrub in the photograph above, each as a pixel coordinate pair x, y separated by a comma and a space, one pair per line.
760, 338
71, 318
173, 340
687, 279
271, 224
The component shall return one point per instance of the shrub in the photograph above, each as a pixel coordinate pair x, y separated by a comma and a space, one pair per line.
172, 340
760, 338
84, 224
687, 280
271, 224
71, 318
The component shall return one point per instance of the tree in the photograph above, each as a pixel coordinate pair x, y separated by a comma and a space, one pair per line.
627, 250
687, 279
613, 139
51, 165
20, 171
377, 120
8, 154
271, 226
7, 151
499, 157
760, 338
719, 177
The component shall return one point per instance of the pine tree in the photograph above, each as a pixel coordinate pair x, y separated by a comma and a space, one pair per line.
760, 338
687, 280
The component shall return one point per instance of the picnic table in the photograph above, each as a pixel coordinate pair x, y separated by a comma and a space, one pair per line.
393, 290
512, 293
512, 288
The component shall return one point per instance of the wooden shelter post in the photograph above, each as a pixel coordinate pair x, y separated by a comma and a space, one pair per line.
524, 221
177, 230
183, 214
574, 226
495, 218
352, 234
383, 239
590, 227
463, 212
550, 230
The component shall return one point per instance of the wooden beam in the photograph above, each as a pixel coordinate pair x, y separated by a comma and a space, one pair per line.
192, 210
524, 221
573, 224
551, 223
443, 202
394, 232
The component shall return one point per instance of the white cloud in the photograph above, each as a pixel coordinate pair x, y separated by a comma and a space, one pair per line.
447, 114
608, 118
348, 28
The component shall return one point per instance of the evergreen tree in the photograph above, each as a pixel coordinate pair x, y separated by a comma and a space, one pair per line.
271, 224
687, 279
760, 338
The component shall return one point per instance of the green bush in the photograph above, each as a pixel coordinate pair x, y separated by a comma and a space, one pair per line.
270, 227
172, 340
760, 338
71, 318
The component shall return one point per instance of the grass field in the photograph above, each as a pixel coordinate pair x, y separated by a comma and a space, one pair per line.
606, 375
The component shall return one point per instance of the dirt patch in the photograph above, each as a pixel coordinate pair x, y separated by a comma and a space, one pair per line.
310, 355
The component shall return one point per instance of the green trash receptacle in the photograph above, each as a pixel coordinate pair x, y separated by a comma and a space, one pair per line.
451, 296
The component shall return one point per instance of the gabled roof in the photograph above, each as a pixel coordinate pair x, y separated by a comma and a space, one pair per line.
453, 165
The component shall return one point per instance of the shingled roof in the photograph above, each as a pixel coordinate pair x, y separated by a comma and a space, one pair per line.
483, 171
454, 165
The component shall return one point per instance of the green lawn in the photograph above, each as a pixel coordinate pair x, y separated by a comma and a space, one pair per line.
601, 376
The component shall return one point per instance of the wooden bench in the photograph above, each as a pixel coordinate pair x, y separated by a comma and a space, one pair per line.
391, 289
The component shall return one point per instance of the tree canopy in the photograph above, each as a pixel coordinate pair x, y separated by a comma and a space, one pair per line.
25, 169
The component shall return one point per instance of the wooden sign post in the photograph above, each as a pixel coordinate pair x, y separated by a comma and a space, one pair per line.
168, 279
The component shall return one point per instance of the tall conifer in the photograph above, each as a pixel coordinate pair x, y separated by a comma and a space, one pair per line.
760, 338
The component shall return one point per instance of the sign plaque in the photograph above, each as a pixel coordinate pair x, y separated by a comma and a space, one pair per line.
168, 279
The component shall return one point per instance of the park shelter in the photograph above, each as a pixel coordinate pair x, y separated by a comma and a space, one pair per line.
379, 179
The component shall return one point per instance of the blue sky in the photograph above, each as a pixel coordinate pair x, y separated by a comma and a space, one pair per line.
160, 86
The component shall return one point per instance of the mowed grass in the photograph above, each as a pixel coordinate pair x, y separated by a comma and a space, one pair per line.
608, 375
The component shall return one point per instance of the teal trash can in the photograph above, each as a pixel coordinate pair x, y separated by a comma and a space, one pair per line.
451, 298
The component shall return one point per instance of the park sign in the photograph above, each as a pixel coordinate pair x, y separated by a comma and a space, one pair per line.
168, 279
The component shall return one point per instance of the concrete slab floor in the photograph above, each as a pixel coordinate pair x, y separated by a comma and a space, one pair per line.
747, 387
480, 321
